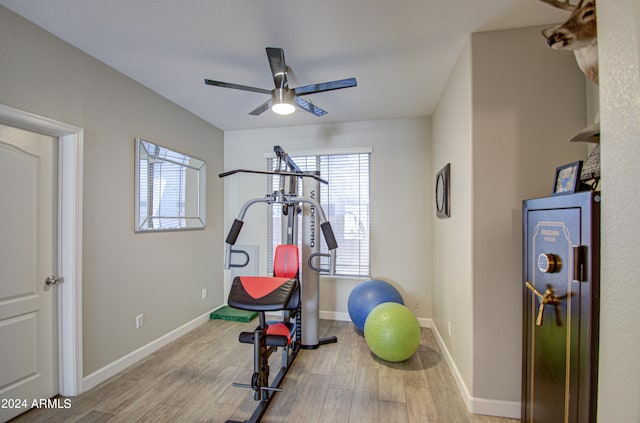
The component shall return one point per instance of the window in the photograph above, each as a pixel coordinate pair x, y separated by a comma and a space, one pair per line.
345, 201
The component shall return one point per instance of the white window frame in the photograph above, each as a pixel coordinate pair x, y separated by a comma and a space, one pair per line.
362, 263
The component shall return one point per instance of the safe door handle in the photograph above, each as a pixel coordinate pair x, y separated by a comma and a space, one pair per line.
546, 298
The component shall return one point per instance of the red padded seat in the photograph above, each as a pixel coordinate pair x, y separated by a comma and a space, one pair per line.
269, 293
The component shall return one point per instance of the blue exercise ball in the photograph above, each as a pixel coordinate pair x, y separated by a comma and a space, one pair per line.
366, 296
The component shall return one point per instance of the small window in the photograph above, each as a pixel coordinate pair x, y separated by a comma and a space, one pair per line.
345, 201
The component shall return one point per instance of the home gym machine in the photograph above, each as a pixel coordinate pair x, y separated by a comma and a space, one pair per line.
293, 289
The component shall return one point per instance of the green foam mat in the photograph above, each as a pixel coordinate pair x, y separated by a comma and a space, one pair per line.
233, 314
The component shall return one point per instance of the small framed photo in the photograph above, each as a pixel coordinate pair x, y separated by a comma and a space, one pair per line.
567, 180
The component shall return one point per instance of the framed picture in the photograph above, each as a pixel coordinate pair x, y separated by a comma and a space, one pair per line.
443, 204
567, 178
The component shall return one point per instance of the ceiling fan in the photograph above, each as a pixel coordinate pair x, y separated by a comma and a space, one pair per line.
283, 99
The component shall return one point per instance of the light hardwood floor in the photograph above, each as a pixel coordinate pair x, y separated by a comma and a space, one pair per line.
190, 380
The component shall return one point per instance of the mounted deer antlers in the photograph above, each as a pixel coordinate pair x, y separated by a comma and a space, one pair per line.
565, 5
578, 33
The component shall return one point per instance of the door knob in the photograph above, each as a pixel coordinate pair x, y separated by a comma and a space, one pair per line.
52, 280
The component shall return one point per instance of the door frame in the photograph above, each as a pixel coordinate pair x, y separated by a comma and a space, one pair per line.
70, 185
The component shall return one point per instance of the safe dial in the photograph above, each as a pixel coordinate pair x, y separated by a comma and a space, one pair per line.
548, 263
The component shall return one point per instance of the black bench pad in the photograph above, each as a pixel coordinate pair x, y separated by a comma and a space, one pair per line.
263, 293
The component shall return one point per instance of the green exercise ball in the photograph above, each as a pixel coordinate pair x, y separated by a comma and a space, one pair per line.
392, 332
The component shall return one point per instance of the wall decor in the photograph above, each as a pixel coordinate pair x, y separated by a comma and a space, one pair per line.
579, 34
567, 179
170, 189
443, 206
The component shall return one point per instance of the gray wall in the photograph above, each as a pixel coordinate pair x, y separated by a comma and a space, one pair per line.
452, 264
528, 101
503, 122
400, 198
619, 51
124, 274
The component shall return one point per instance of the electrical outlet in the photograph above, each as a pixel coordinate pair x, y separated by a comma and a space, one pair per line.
204, 293
449, 328
139, 321
415, 303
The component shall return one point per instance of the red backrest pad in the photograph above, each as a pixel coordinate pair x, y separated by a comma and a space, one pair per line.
285, 261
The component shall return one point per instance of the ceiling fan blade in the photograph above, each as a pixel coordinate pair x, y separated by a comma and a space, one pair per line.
278, 66
236, 86
261, 108
310, 107
326, 86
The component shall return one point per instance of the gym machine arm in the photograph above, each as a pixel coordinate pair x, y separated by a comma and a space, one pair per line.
287, 199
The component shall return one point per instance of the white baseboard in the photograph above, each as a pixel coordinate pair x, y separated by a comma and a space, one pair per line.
489, 407
112, 369
344, 317
425, 323
335, 315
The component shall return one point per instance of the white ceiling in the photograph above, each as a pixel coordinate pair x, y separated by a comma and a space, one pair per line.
400, 51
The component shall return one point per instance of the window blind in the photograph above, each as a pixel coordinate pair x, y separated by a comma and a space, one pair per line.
168, 178
345, 201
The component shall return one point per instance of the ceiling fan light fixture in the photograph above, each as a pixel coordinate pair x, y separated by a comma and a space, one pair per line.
285, 100
282, 100
283, 108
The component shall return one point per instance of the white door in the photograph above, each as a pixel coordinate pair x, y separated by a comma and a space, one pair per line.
28, 255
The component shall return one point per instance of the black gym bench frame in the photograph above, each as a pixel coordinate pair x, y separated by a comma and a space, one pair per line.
291, 292
263, 391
